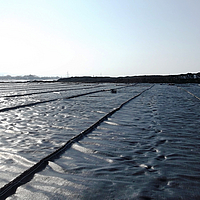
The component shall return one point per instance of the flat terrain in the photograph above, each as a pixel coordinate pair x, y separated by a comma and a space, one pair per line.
148, 149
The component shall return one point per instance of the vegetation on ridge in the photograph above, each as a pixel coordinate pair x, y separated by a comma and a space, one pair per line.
182, 78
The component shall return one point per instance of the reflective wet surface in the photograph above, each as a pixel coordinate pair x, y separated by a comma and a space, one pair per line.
149, 149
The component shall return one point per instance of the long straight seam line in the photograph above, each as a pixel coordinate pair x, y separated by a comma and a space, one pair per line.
47, 101
189, 92
50, 91
9, 188
60, 90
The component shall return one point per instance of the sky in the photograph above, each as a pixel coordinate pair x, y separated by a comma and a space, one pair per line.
99, 37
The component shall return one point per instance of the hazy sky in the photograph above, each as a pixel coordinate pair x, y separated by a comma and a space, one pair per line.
99, 37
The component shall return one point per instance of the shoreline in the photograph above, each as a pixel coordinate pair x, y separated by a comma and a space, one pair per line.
181, 78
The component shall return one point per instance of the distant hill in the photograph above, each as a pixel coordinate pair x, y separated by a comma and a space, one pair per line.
28, 78
181, 78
